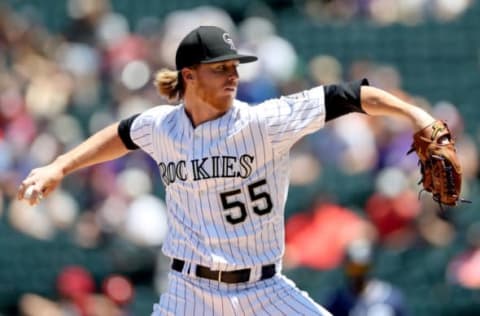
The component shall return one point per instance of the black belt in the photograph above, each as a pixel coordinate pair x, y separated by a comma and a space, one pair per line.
236, 276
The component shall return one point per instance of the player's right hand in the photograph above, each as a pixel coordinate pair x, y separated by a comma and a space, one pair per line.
40, 183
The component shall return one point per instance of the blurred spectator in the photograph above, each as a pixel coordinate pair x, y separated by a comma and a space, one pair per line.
305, 168
85, 16
385, 12
318, 238
325, 69
36, 305
78, 296
118, 289
463, 269
363, 295
392, 208
434, 226
75, 285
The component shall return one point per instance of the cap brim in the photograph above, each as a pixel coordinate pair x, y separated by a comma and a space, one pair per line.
241, 58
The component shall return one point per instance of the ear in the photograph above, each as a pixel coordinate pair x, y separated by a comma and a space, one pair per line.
187, 74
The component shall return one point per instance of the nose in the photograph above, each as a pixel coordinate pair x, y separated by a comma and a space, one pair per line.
233, 74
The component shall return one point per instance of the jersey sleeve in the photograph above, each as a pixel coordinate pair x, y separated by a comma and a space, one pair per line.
294, 116
142, 128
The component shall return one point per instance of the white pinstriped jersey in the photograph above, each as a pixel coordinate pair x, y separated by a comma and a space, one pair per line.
226, 180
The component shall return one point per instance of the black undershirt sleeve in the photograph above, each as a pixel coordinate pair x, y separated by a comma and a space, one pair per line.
124, 132
344, 98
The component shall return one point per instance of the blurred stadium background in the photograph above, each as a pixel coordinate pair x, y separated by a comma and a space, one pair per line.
68, 68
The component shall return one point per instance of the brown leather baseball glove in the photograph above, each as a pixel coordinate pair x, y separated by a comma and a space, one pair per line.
439, 164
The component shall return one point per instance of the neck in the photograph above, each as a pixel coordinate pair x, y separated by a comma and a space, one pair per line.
200, 111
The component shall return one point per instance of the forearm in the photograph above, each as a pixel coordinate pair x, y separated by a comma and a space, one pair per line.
103, 146
378, 102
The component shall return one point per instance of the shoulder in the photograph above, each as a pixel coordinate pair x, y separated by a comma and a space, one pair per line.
160, 110
252, 112
317, 92
314, 94
154, 117
283, 105
158, 113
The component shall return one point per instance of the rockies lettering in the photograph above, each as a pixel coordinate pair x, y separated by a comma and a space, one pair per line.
206, 168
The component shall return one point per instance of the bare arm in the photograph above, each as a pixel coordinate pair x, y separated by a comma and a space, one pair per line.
103, 146
378, 102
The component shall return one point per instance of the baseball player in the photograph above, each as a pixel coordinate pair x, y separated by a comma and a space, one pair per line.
224, 165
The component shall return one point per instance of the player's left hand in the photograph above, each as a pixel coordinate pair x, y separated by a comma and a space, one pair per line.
440, 166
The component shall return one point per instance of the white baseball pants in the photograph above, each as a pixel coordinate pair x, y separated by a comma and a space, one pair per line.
190, 295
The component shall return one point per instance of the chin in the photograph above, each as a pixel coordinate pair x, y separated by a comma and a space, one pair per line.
223, 104
227, 99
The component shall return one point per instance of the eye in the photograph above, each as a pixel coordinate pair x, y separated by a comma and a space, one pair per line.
224, 68
220, 68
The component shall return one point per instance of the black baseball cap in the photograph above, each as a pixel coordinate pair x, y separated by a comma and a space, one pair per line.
208, 44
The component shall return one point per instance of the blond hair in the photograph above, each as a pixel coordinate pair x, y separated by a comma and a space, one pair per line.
169, 84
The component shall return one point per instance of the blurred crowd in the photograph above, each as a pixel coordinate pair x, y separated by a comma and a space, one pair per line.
386, 12
56, 88
78, 295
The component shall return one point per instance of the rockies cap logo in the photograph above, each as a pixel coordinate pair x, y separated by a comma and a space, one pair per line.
227, 39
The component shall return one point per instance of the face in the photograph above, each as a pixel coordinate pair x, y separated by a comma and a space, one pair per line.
216, 83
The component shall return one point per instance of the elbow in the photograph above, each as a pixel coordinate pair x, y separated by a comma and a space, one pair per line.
371, 99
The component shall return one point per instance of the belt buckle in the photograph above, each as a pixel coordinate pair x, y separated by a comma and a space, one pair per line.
219, 276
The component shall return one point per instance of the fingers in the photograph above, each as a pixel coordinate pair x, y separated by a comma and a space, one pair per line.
32, 194
25, 185
21, 191
23, 188
30, 190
